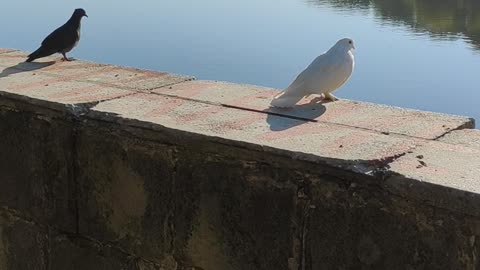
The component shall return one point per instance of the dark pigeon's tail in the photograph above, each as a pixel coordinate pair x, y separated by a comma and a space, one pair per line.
39, 53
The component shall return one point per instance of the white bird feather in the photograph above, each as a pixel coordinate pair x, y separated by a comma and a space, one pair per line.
324, 75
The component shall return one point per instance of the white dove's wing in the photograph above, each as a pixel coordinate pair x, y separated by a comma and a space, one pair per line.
302, 85
326, 74
303, 82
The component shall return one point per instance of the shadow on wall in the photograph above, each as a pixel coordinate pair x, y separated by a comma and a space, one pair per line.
282, 119
23, 66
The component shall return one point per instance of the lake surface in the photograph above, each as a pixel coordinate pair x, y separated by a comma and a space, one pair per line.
422, 54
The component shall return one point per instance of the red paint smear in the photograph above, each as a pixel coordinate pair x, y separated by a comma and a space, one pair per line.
165, 107
348, 142
88, 89
247, 100
90, 98
239, 124
340, 112
189, 89
52, 81
77, 91
137, 78
66, 66
176, 102
382, 123
300, 130
9, 55
201, 114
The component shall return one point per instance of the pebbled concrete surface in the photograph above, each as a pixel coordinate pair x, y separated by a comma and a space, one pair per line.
57, 89
363, 115
465, 137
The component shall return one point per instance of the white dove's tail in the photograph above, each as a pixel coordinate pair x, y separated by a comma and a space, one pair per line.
286, 99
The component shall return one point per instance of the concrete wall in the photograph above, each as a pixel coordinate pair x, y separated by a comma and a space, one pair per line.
106, 167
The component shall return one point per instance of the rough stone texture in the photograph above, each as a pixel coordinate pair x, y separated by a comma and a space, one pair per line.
35, 165
26, 245
106, 167
155, 199
248, 224
125, 196
367, 228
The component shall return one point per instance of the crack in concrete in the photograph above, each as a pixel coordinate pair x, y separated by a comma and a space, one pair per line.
79, 109
299, 118
75, 170
468, 125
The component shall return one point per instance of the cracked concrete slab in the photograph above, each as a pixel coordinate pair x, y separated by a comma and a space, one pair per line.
364, 115
304, 140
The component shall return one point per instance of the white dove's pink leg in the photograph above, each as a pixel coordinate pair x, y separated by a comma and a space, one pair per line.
331, 97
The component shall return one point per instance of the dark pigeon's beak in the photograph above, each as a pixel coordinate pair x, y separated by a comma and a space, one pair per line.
86, 15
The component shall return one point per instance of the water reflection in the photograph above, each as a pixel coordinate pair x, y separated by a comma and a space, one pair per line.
446, 19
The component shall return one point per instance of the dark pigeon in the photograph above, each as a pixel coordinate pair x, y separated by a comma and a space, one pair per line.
62, 40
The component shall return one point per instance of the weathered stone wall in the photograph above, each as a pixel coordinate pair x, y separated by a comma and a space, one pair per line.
80, 193
89, 187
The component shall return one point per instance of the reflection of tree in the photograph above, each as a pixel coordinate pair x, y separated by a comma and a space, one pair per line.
441, 18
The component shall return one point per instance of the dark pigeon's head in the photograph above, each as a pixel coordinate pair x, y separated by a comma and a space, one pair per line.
79, 13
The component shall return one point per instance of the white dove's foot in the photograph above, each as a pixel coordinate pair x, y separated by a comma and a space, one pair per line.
331, 97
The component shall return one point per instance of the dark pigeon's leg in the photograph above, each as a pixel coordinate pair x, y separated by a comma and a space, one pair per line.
65, 58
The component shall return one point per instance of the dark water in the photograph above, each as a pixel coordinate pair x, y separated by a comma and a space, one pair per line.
422, 54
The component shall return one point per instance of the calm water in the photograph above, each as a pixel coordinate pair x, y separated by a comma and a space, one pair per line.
422, 54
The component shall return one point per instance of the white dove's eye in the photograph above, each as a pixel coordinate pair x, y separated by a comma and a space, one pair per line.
349, 42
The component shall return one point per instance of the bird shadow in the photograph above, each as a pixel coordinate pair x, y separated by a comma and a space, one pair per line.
295, 116
24, 66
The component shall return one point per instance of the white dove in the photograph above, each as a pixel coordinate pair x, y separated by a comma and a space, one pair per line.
324, 75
